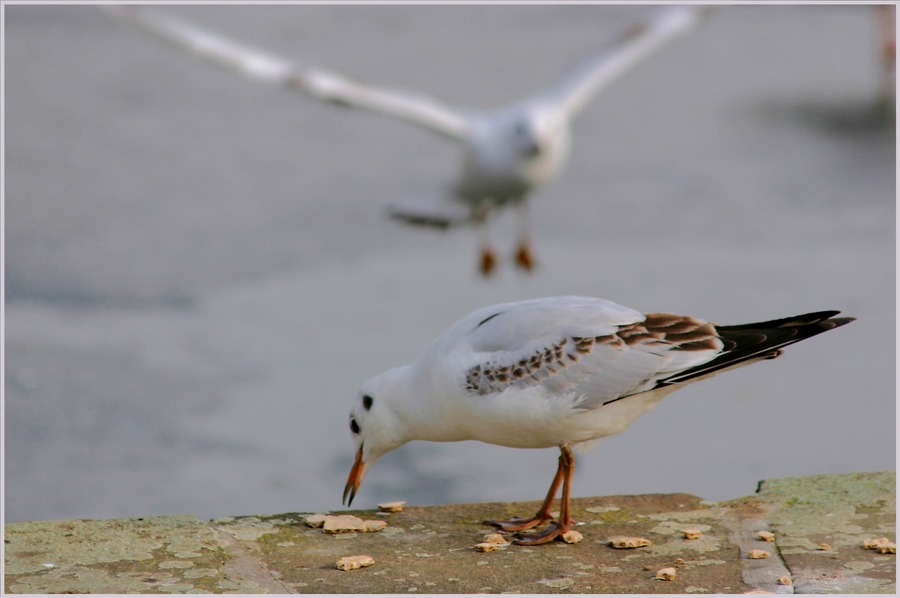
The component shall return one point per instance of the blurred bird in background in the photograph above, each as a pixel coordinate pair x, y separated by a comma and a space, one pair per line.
507, 153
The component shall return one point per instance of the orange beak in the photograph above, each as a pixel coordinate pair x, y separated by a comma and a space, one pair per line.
357, 472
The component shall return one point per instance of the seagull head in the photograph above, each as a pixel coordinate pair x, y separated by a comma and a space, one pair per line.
539, 130
374, 425
528, 143
540, 135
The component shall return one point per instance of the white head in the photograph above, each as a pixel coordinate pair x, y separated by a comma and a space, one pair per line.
539, 130
374, 425
541, 137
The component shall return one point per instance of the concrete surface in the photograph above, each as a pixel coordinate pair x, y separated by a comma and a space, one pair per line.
431, 549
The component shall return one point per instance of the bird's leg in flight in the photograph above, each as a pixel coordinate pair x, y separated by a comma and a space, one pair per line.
488, 262
523, 257
564, 476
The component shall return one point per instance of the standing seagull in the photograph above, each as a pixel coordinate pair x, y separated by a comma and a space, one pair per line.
552, 372
507, 153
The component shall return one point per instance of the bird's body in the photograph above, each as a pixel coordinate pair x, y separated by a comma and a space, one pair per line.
506, 153
556, 371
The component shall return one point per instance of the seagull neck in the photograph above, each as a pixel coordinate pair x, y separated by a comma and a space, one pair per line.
399, 399
421, 413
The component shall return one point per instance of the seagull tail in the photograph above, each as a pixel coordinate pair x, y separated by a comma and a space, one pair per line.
747, 343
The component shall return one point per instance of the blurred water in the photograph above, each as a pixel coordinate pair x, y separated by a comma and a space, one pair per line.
200, 273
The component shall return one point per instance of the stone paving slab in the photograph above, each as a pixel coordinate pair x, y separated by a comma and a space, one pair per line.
820, 521
432, 549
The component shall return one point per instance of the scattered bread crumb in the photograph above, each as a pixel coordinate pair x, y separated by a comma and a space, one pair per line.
375, 525
572, 537
495, 538
692, 534
487, 546
765, 536
628, 542
355, 562
666, 574
882, 545
340, 524
823, 546
392, 507
759, 554
784, 580
316, 520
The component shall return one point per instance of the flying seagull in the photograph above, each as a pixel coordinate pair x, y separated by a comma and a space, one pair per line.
507, 153
553, 372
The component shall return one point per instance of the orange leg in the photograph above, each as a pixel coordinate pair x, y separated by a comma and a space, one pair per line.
524, 257
488, 261
556, 528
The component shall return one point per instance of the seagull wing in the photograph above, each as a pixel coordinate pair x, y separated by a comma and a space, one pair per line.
318, 83
574, 91
600, 353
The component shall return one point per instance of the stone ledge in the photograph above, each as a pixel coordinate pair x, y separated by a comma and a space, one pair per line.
431, 549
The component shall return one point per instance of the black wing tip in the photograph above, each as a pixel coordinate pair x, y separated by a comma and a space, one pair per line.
762, 340
810, 319
823, 320
835, 322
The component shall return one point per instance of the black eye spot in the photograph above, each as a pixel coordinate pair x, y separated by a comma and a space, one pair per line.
367, 402
354, 427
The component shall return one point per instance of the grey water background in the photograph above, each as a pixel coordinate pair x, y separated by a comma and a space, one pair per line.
200, 271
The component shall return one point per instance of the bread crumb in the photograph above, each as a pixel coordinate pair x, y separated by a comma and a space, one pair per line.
487, 546
341, 524
628, 542
765, 536
375, 525
878, 544
315, 520
666, 574
495, 538
349, 563
784, 580
392, 507
759, 554
823, 546
692, 534
572, 537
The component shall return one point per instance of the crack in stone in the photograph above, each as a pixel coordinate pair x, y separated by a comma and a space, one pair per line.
243, 566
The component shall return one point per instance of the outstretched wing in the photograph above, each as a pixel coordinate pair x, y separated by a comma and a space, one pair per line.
318, 83
573, 92
627, 358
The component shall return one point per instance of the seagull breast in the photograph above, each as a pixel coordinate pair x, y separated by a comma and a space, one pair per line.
510, 153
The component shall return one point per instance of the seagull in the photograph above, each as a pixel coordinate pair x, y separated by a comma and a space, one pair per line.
506, 153
552, 372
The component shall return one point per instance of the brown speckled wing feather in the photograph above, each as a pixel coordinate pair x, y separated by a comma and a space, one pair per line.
663, 349
604, 368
